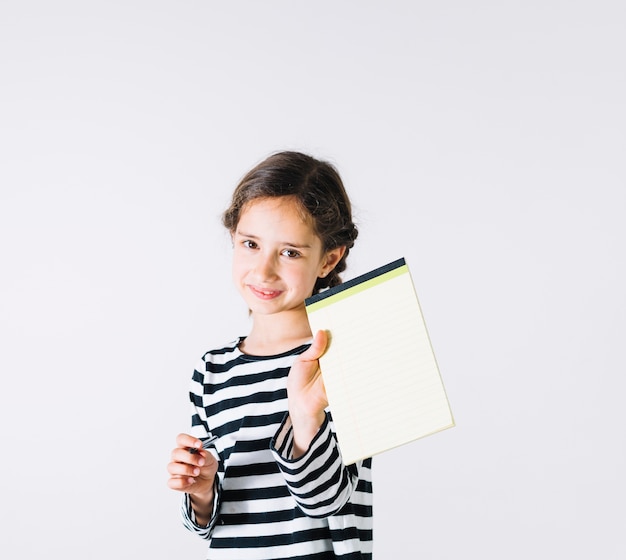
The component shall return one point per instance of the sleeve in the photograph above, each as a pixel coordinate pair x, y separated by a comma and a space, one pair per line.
319, 481
200, 429
189, 519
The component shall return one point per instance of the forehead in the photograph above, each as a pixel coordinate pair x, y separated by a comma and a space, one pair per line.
275, 212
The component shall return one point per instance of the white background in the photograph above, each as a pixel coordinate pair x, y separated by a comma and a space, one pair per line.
483, 141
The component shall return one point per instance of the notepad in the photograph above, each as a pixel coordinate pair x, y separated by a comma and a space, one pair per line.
382, 380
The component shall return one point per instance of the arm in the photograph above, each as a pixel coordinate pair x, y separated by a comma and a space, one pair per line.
193, 471
306, 395
318, 480
305, 447
195, 474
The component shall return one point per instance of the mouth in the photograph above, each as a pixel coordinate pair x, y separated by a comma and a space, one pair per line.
263, 293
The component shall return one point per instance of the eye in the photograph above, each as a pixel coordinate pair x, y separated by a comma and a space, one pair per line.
292, 253
249, 244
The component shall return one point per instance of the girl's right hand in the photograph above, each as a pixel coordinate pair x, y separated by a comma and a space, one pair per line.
193, 473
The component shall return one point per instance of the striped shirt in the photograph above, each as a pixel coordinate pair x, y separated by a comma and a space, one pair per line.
268, 505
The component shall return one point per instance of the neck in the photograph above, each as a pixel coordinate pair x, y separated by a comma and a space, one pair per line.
274, 334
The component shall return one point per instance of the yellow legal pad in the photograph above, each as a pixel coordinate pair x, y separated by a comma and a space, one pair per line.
383, 384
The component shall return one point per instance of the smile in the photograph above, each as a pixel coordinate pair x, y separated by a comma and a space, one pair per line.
264, 294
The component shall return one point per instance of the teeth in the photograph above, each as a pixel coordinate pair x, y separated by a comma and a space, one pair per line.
265, 292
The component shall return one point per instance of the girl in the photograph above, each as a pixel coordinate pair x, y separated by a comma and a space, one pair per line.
272, 484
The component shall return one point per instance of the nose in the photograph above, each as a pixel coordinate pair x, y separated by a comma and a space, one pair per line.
266, 268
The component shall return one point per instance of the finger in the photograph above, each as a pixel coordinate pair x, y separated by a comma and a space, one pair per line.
317, 348
192, 456
188, 441
182, 483
178, 470
191, 446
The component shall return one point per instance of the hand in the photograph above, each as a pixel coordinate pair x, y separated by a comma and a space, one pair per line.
193, 473
306, 394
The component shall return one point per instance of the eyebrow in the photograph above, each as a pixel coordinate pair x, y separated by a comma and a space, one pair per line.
288, 243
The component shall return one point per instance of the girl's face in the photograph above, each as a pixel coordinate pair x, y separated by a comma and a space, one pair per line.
277, 256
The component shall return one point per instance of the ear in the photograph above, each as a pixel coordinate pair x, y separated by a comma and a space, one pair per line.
330, 260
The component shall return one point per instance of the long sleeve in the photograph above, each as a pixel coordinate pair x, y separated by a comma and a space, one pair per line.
319, 481
199, 429
189, 519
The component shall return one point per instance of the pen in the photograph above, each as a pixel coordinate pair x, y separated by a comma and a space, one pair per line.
205, 444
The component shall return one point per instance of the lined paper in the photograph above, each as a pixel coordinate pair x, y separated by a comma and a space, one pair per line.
382, 380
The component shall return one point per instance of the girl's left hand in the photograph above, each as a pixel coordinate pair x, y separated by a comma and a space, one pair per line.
306, 394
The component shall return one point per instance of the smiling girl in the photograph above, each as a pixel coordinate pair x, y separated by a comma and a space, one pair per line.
272, 484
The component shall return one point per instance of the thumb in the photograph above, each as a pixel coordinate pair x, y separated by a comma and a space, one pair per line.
317, 348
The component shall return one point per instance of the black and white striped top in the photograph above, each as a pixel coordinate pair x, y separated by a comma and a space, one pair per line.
269, 506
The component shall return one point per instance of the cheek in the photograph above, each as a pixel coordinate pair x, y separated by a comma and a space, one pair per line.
236, 268
307, 282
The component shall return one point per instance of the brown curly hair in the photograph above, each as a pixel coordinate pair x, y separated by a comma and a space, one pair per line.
317, 187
